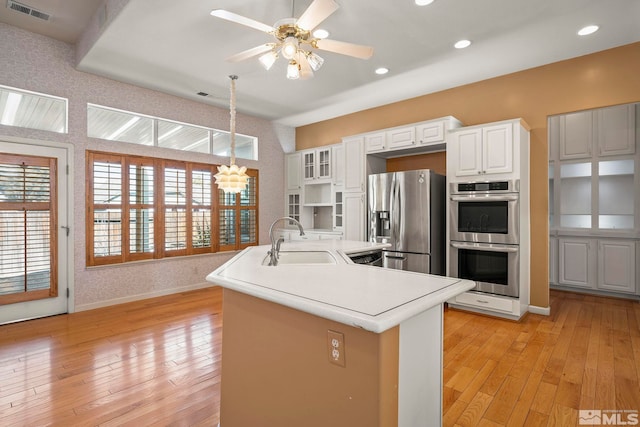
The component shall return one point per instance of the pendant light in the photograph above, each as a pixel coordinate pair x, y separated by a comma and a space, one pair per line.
232, 179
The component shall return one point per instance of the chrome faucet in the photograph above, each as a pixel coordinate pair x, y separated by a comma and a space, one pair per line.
275, 244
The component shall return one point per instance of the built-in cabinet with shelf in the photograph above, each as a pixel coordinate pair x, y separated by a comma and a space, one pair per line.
495, 152
593, 200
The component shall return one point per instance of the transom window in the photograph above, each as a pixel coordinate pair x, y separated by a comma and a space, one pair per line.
145, 208
117, 125
32, 110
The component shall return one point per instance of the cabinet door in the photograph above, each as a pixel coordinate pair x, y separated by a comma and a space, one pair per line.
467, 152
616, 130
375, 142
337, 164
497, 149
401, 138
430, 133
576, 135
293, 170
354, 216
323, 156
576, 262
616, 265
553, 260
309, 164
338, 209
354, 160
294, 205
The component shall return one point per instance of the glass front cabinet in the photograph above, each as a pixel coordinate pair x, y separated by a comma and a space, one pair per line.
594, 199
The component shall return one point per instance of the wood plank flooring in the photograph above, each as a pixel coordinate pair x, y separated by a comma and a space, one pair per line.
157, 362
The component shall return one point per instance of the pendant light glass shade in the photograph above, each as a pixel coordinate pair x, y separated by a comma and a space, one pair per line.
293, 72
232, 179
268, 59
289, 47
315, 61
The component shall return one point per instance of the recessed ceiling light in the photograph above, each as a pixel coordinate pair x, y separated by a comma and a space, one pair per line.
382, 70
423, 2
320, 33
589, 29
462, 44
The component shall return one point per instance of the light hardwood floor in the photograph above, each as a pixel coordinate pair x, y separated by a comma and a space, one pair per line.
157, 362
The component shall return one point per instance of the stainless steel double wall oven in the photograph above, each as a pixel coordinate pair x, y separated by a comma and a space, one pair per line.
484, 235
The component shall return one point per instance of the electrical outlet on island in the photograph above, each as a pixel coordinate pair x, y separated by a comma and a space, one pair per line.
336, 347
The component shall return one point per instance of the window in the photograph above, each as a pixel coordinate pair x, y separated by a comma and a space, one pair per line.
27, 220
32, 110
239, 216
117, 125
167, 208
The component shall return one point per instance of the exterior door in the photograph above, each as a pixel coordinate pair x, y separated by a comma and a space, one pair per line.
34, 248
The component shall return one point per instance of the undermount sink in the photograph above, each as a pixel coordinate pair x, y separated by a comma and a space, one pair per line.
303, 257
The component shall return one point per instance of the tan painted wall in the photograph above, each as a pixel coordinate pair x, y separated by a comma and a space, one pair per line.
276, 372
602, 79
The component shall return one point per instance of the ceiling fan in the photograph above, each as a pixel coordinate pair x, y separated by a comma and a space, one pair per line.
294, 40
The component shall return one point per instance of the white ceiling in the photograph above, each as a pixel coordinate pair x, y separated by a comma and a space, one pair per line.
178, 48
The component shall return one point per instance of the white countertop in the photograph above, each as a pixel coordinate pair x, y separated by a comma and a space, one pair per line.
364, 296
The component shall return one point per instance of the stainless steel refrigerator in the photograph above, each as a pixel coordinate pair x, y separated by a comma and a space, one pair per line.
406, 209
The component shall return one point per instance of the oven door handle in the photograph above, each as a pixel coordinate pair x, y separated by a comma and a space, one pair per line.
485, 197
484, 247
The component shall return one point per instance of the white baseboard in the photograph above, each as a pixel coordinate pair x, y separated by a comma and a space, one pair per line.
163, 292
545, 311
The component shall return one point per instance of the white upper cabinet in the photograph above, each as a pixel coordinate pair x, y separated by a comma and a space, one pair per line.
401, 138
466, 152
430, 132
354, 160
576, 135
338, 164
375, 141
316, 163
604, 132
497, 148
483, 150
413, 138
294, 171
616, 130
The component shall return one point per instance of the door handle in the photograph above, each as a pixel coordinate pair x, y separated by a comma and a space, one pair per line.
396, 257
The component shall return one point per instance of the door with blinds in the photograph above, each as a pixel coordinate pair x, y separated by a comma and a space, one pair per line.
34, 247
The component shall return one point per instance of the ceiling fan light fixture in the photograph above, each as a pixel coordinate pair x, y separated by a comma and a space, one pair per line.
320, 33
268, 59
293, 71
315, 61
289, 47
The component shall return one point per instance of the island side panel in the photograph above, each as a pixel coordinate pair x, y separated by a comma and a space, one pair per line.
276, 369
420, 373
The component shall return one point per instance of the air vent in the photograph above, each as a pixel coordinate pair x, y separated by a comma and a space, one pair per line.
27, 10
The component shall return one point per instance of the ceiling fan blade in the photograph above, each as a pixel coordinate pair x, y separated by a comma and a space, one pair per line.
238, 19
344, 48
250, 53
317, 12
305, 68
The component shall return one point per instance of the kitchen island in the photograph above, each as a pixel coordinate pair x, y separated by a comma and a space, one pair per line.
332, 342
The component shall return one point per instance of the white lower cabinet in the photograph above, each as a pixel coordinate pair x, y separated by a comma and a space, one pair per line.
576, 262
617, 265
601, 264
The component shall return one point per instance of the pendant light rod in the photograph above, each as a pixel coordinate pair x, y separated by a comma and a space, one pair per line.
232, 118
